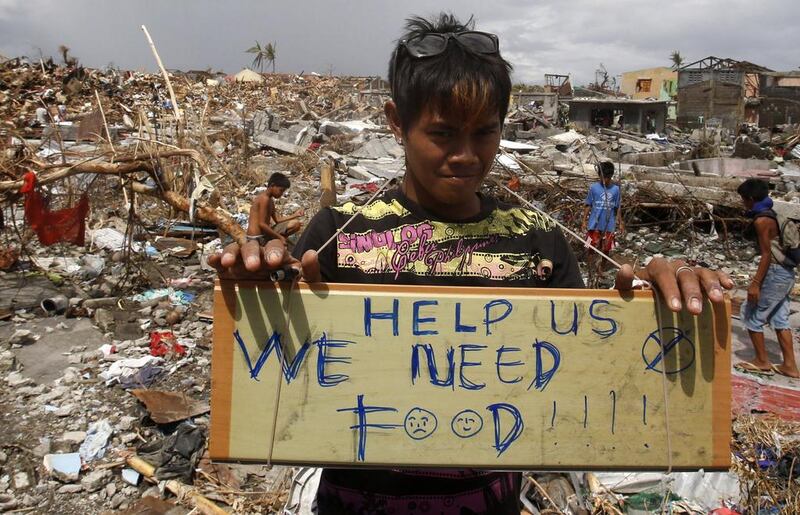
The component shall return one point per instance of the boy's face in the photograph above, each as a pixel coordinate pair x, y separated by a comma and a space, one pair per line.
606, 180
276, 191
447, 158
747, 202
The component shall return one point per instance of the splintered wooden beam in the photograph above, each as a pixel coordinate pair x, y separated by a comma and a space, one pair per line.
496, 378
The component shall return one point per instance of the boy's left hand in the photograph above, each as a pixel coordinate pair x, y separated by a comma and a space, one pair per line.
753, 293
678, 284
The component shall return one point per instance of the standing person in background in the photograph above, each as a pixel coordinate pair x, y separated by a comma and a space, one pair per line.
768, 294
602, 208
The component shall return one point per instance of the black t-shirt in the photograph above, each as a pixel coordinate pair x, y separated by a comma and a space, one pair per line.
394, 240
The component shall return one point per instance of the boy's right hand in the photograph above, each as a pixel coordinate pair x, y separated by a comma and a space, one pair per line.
249, 261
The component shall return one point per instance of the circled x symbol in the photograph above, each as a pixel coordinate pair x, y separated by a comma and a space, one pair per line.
676, 344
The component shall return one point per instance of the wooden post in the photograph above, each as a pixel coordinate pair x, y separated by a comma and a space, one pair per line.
164, 74
327, 182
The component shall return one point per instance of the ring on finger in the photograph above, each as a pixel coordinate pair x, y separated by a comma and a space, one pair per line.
683, 268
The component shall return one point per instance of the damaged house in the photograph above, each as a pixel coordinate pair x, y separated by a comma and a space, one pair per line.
659, 83
728, 93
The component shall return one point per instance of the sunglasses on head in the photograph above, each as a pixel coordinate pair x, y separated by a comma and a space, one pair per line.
429, 45
433, 44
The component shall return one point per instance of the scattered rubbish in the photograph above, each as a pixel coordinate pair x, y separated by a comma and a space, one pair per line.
108, 349
64, 467
164, 343
132, 372
177, 297
55, 305
108, 238
94, 446
130, 476
177, 454
166, 407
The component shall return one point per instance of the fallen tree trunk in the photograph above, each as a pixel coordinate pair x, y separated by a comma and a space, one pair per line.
146, 163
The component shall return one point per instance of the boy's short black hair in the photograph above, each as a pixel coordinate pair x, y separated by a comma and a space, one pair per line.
605, 169
279, 180
754, 189
458, 78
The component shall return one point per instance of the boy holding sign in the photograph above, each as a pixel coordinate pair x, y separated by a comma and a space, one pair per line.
450, 94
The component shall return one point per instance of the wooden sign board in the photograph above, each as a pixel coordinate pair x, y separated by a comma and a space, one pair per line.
498, 378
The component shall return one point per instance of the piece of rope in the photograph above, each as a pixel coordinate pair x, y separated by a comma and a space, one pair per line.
562, 226
358, 211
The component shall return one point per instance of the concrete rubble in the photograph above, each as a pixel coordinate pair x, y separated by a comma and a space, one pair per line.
105, 347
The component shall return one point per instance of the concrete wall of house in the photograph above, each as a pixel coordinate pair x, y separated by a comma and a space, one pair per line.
714, 95
634, 115
663, 83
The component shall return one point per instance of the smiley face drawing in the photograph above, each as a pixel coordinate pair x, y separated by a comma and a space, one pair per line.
420, 423
467, 424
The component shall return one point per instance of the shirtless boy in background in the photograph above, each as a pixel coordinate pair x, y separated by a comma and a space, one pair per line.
265, 224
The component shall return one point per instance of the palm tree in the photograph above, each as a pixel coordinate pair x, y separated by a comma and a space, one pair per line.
260, 56
269, 52
677, 59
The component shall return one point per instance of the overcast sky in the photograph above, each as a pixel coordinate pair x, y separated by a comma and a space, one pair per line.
356, 37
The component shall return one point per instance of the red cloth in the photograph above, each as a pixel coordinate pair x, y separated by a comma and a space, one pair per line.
164, 342
68, 224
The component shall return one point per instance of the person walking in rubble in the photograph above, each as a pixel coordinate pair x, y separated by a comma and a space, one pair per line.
602, 209
450, 94
768, 293
265, 224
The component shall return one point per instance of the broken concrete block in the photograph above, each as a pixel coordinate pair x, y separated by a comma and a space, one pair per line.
70, 489
21, 480
278, 144
372, 149
74, 437
43, 448
104, 319
64, 411
95, 480
15, 379
64, 467
23, 337
360, 173
567, 138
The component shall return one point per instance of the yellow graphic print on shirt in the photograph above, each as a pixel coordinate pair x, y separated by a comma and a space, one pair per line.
436, 248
